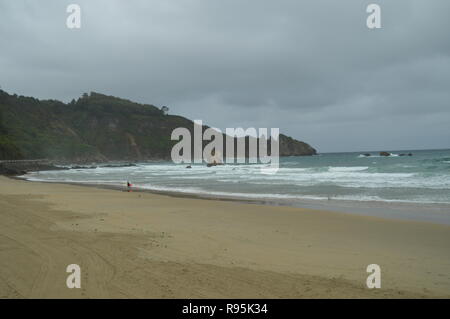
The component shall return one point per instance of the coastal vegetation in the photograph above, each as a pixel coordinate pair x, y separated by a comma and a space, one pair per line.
94, 128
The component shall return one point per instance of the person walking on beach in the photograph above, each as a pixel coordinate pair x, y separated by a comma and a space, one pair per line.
129, 185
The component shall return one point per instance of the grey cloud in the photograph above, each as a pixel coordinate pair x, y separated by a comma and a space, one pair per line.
310, 67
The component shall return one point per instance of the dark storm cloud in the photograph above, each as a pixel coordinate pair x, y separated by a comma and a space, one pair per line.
311, 68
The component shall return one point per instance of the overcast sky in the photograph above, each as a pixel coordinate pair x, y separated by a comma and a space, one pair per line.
310, 67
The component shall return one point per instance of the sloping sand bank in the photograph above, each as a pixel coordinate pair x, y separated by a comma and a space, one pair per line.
141, 245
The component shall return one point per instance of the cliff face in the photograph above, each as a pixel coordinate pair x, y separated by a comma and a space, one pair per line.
292, 147
95, 127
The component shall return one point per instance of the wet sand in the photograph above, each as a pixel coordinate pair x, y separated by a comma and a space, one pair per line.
143, 245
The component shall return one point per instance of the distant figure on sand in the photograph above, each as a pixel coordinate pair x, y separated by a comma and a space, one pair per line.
129, 185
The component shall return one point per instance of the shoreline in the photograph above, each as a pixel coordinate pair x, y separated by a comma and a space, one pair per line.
147, 245
438, 213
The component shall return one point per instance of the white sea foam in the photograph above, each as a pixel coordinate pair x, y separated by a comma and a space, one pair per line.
356, 176
200, 191
348, 168
340, 177
381, 156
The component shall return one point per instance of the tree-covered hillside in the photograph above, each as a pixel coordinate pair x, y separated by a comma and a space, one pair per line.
95, 127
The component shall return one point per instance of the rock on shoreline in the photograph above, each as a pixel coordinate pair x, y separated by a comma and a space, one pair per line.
21, 167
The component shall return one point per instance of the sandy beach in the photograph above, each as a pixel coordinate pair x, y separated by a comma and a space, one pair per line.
143, 245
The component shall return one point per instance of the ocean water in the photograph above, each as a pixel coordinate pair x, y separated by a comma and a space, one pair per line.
421, 178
